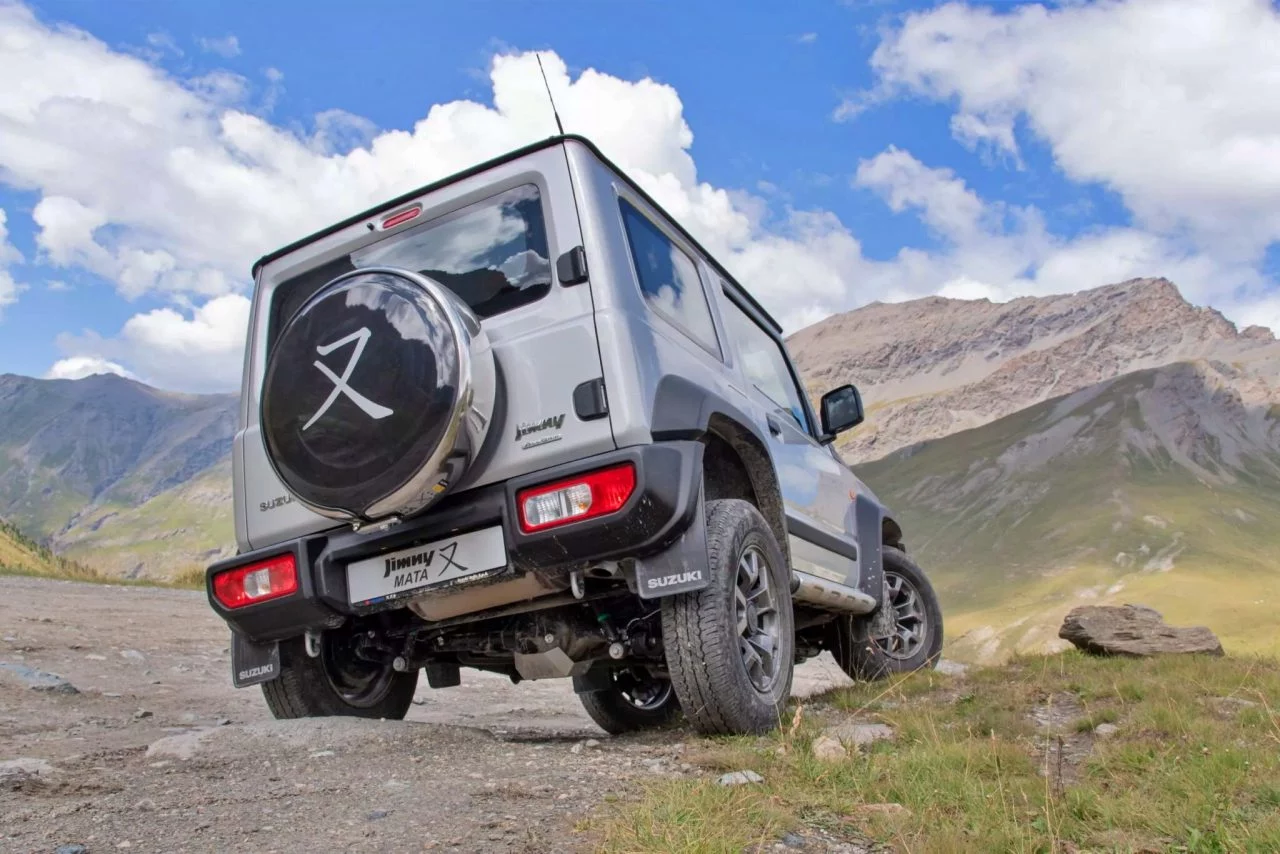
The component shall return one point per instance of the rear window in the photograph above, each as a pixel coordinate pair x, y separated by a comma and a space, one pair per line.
493, 254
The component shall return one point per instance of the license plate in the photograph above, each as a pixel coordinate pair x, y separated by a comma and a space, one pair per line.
390, 575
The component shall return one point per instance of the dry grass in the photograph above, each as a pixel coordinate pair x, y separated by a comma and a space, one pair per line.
1193, 767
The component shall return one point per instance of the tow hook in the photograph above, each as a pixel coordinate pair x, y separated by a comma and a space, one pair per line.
312, 642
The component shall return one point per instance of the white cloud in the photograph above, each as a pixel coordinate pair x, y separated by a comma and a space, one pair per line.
168, 348
181, 186
806, 38
79, 367
9, 254
163, 43
1174, 104
944, 202
227, 47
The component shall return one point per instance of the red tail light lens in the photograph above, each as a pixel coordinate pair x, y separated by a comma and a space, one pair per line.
257, 582
401, 217
584, 496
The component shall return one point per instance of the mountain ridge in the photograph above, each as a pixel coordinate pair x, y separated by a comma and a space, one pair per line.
933, 366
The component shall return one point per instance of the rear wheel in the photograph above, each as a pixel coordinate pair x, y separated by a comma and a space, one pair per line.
916, 640
634, 701
336, 683
731, 647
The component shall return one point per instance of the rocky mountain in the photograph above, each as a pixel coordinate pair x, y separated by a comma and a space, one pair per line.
934, 366
1161, 486
131, 480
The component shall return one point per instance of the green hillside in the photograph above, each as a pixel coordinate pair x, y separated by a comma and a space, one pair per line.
1160, 487
21, 556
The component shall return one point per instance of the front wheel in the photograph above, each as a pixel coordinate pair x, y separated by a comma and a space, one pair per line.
634, 701
337, 683
916, 640
730, 647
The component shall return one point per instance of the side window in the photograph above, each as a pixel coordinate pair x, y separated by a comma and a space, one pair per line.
668, 278
764, 364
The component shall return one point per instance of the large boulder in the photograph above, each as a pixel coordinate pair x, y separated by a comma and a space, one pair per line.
1133, 630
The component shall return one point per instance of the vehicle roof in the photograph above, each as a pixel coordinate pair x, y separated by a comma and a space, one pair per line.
550, 142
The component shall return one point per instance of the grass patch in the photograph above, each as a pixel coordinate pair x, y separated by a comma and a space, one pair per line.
1187, 770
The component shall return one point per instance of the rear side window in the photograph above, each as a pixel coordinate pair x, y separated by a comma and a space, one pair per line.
493, 254
764, 364
669, 278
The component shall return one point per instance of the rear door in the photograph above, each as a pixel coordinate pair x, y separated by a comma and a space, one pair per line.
815, 486
493, 238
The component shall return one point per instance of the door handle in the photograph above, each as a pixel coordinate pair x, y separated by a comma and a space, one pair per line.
775, 427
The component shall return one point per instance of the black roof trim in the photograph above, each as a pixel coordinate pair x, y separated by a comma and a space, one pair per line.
549, 142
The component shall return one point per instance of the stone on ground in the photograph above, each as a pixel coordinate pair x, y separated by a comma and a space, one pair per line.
1133, 630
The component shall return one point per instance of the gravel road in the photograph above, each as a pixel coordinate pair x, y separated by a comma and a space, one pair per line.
154, 750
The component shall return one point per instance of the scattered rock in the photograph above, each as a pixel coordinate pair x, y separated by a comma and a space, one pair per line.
1233, 704
374, 815
38, 680
321, 754
857, 736
140, 714
828, 749
71, 848
182, 746
1133, 630
14, 770
794, 840
1105, 730
145, 805
132, 654
740, 778
867, 810
93, 656
947, 667
222, 722
591, 742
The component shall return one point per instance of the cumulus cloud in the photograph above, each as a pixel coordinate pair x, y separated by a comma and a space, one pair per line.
1173, 104
197, 350
79, 367
9, 254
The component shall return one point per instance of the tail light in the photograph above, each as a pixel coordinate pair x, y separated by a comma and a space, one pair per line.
256, 582
584, 496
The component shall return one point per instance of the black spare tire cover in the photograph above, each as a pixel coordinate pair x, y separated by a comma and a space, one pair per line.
365, 394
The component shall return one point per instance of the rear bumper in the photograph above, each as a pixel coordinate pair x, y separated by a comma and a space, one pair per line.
668, 476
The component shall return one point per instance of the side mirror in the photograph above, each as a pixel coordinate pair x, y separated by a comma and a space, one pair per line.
841, 410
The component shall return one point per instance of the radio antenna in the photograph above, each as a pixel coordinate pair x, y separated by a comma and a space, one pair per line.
554, 112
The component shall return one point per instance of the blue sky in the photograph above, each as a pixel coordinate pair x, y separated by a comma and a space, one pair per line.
841, 152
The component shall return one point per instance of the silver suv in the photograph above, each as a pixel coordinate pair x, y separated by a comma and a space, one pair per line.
520, 421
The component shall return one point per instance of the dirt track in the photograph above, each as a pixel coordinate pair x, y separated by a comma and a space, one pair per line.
157, 752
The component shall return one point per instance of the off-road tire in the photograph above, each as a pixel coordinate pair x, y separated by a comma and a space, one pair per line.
864, 659
700, 635
304, 690
615, 714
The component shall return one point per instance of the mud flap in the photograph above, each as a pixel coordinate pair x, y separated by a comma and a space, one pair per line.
682, 568
253, 663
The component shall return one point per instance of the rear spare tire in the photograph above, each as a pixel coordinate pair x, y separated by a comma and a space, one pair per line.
378, 394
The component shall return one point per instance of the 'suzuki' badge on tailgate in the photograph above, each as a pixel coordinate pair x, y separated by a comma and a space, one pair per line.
392, 574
